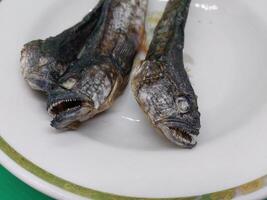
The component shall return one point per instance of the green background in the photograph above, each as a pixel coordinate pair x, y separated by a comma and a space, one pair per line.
12, 188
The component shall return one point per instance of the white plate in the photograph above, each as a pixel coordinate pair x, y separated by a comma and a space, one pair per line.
119, 152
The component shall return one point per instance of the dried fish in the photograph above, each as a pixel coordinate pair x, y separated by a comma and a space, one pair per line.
44, 61
92, 72
161, 85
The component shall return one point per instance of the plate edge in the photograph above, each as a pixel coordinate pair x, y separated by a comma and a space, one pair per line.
81, 191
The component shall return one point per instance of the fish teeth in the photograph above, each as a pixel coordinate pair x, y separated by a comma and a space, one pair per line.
53, 105
62, 101
184, 140
70, 100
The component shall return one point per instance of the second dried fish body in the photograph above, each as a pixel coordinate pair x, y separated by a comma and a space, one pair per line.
44, 61
161, 85
92, 82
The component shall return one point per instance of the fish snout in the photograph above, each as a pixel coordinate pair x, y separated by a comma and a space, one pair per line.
30, 55
35, 66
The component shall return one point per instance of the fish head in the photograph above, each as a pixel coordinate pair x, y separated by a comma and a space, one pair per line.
38, 68
80, 95
170, 105
181, 125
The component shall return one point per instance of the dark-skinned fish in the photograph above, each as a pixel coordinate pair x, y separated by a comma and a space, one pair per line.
89, 83
161, 85
44, 61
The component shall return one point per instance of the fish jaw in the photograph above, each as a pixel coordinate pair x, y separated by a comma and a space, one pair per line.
179, 133
68, 109
70, 119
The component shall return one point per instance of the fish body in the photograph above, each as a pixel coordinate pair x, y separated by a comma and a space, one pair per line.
44, 61
99, 72
161, 85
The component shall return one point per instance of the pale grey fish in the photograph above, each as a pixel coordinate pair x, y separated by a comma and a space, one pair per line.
161, 85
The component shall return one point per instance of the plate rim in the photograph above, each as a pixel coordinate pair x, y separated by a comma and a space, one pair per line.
84, 192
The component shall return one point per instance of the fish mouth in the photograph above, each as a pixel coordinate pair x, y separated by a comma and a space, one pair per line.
68, 113
179, 133
65, 105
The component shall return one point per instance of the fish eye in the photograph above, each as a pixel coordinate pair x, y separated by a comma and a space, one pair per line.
183, 105
69, 83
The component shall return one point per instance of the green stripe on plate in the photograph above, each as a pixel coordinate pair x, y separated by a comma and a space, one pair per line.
61, 183
98, 195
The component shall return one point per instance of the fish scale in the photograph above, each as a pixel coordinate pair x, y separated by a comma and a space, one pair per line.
129, 19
